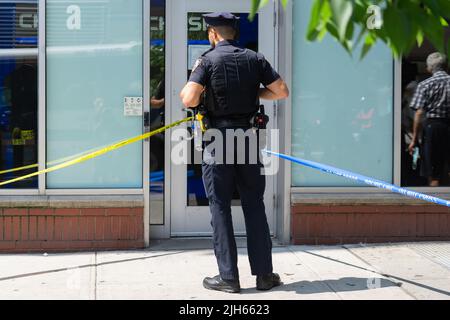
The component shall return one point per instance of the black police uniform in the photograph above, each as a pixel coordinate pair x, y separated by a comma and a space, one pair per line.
232, 77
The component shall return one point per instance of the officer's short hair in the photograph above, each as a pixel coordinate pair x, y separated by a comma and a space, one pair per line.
437, 62
226, 32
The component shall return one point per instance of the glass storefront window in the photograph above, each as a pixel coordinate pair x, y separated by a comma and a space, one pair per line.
18, 91
342, 108
94, 78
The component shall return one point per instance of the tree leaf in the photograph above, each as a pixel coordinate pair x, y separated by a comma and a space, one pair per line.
407, 23
420, 38
342, 13
359, 10
398, 28
368, 44
262, 3
434, 6
444, 6
254, 9
448, 51
331, 28
314, 20
322, 34
256, 6
348, 46
350, 31
434, 32
361, 34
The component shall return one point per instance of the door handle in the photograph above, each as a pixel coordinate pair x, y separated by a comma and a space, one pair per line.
147, 121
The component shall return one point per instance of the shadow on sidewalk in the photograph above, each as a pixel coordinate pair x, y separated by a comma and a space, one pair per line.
391, 276
333, 286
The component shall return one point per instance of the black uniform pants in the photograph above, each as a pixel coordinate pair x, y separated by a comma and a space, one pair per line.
220, 181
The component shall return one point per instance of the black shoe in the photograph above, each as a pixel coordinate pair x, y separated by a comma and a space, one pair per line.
219, 284
268, 281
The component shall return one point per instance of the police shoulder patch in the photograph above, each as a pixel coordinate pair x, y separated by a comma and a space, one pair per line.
197, 64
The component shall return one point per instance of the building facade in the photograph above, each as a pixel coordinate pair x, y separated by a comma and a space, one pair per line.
76, 76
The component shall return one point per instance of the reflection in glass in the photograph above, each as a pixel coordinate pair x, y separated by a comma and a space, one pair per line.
157, 118
18, 90
198, 43
94, 77
342, 108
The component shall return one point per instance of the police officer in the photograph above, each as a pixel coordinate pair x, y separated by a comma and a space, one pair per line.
231, 78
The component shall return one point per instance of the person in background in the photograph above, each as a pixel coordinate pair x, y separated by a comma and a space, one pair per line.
432, 100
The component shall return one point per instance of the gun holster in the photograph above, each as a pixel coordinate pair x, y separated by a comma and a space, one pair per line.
202, 117
260, 120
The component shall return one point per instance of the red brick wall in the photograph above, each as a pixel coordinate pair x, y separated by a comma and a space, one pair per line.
46, 230
343, 224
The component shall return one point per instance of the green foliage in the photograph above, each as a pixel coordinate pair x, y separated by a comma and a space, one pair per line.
258, 4
402, 24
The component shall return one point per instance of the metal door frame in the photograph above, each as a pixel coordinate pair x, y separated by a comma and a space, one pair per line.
173, 14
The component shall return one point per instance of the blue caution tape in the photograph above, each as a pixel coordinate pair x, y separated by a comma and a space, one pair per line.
360, 178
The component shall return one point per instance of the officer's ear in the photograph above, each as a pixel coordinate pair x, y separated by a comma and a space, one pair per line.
214, 32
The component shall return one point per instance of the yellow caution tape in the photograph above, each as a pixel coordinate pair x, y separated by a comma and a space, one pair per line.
199, 117
31, 166
96, 153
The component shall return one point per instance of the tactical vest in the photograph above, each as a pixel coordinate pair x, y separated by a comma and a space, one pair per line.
233, 89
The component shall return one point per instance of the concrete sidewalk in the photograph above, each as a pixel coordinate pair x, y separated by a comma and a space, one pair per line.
175, 269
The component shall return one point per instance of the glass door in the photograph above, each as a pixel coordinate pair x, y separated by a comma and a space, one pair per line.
189, 206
